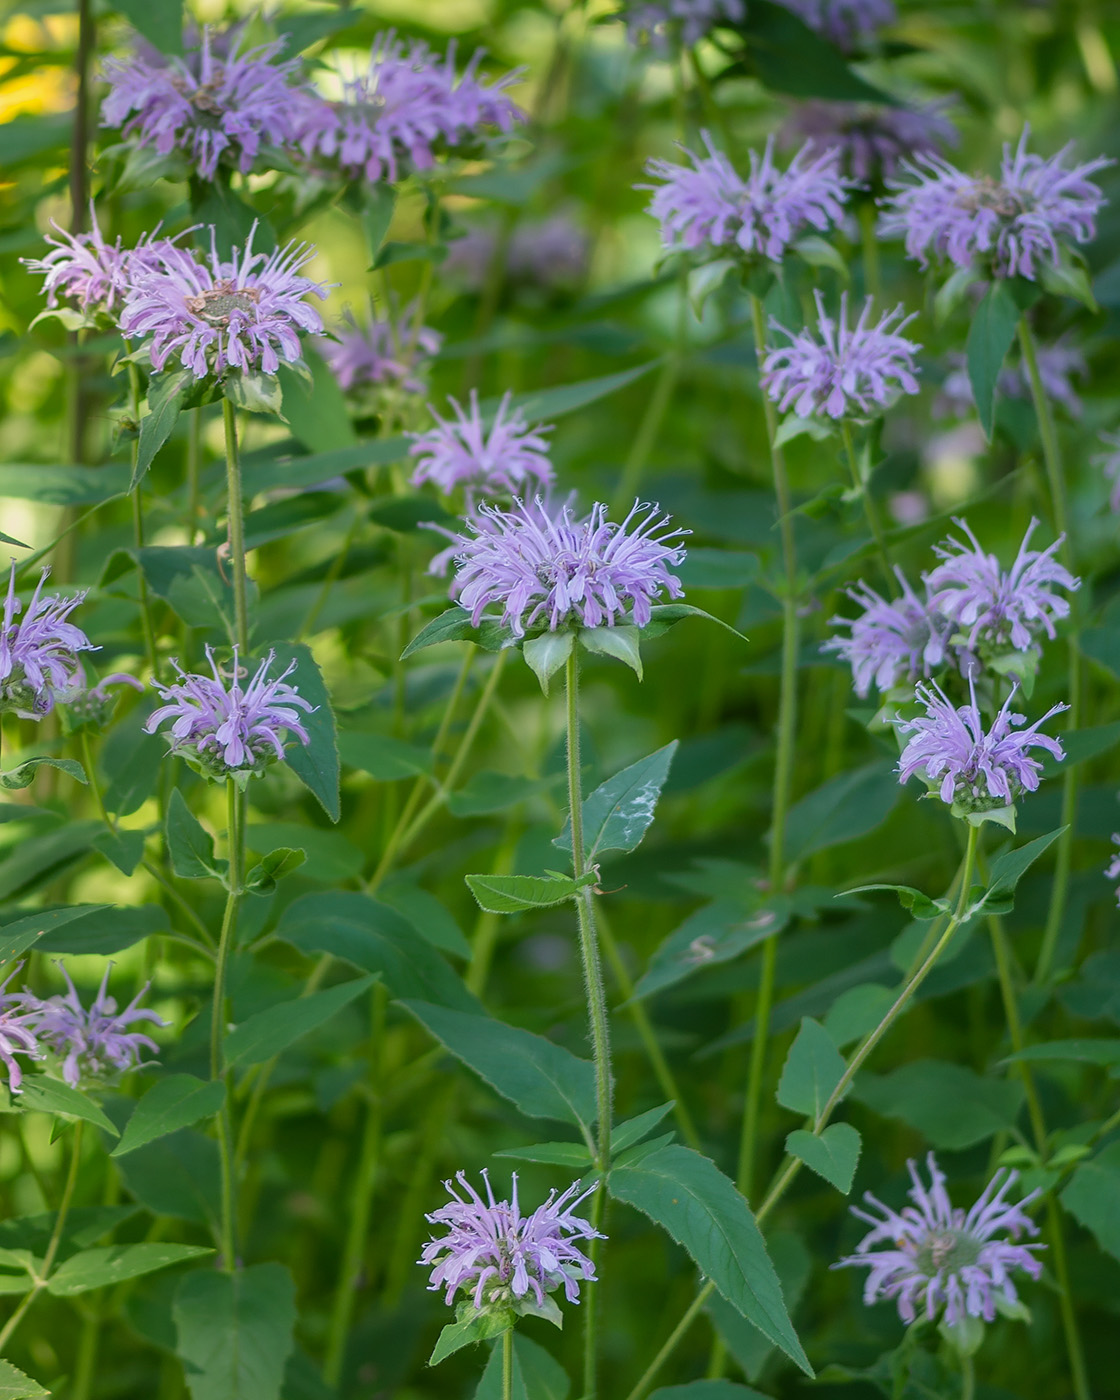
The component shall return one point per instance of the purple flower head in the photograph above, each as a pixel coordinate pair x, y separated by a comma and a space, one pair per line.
1109, 463
500, 461
92, 708
894, 642
1113, 870
933, 1255
978, 770
386, 353
225, 730
246, 313
406, 104
848, 24
710, 203
17, 1031
550, 253
1058, 364
1012, 225
216, 105
552, 570
94, 275
39, 665
871, 140
842, 371
94, 1041
686, 21
1000, 609
500, 1257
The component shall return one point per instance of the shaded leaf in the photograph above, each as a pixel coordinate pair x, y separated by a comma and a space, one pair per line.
512, 894
833, 1154
619, 812
812, 1070
842, 809
23, 775
166, 393
990, 333
1092, 1194
175, 1102
46, 1095
271, 1031
190, 845
14, 1385
97, 1268
235, 1331
952, 1106
314, 764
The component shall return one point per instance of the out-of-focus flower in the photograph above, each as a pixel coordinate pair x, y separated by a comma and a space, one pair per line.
933, 1255
842, 371
846, 23
687, 21
892, 642
978, 770
17, 1031
1058, 364
1000, 609
1109, 463
225, 730
1010, 226
553, 570
390, 352
502, 1258
870, 139
503, 460
216, 105
94, 1041
710, 203
407, 105
1113, 870
83, 268
550, 253
39, 665
93, 707
246, 312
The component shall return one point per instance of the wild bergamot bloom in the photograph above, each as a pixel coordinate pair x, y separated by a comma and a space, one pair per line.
839, 370
504, 1260
708, 203
502, 458
1059, 363
39, 665
405, 107
18, 1021
225, 730
556, 571
871, 139
685, 21
973, 768
846, 23
90, 272
380, 352
935, 1256
892, 642
1011, 226
216, 105
93, 1041
244, 312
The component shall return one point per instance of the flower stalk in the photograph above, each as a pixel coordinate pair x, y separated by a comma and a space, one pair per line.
236, 513
226, 941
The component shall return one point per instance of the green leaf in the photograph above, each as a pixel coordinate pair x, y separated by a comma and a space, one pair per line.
1008, 869
635, 1129
235, 1331
63, 486
97, 1268
375, 938
706, 279
619, 812
952, 292
190, 845
857, 1011
714, 933
539, 404
21, 934
428, 917
812, 1070
331, 858
382, 756
512, 894
950, 1105
544, 1080
666, 615
691, 1199
106, 929
547, 654
623, 643
253, 392
536, 1375
263, 877
1092, 1194
39, 858
271, 1031
819, 252
844, 808
14, 1385
161, 24
314, 764
707, 1390
166, 393
832, 1154
456, 1335
794, 1266
177, 1176
487, 793
175, 1102
573, 1155
316, 412
454, 625
789, 57
1090, 1052
187, 578
718, 568
919, 904
47, 1095
378, 205
990, 334
396, 252
124, 849
23, 775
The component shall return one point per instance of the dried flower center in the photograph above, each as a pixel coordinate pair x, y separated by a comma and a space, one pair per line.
224, 299
948, 1250
986, 193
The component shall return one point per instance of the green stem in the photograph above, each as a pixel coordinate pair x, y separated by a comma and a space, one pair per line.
236, 842
194, 458
633, 468
968, 1378
236, 513
596, 997
869, 247
507, 1364
1051, 453
353, 1251
863, 490
138, 529
671, 1342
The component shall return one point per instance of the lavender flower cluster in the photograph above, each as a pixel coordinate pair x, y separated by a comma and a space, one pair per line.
39, 651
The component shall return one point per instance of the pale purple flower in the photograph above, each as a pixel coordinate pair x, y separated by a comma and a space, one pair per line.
94, 274
224, 728
93, 707
93, 1041
710, 204
17, 1031
39, 665
1109, 463
977, 770
498, 1256
1011, 225
896, 641
407, 105
502, 459
663, 20
391, 353
212, 314
1058, 364
840, 370
217, 107
550, 253
552, 570
933, 1255
846, 23
871, 139
1113, 870
997, 608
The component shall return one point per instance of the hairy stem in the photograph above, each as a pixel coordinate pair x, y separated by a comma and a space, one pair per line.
507, 1364
236, 513
236, 842
138, 528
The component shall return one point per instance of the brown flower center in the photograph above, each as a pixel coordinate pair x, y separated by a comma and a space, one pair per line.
986, 193
218, 303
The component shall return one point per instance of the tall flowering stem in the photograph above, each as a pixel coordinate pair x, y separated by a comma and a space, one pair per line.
596, 1003
1052, 456
236, 512
226, 940
783, 769
507, 1364
138, 526
863, 490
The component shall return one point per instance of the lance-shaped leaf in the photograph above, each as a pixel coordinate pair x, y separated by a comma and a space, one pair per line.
235, 1331
618, 813
98, 1268
190, 845
812, 1070
271, 1031
454, 625
315, 764
512, 894
989, 338
175, 1102
166, 393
